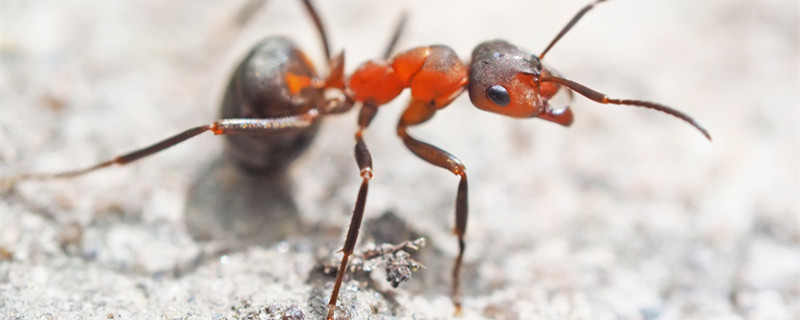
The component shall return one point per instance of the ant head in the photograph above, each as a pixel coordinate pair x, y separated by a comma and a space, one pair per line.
504, 79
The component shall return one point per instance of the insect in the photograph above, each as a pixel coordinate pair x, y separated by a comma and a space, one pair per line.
275, 101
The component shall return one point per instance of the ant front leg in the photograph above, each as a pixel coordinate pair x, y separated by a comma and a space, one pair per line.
364, 162
419, 111
221, 127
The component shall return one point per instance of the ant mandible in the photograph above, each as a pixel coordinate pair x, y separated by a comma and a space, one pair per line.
275, 100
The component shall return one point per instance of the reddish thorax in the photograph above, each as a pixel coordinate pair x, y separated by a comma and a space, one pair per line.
434, 74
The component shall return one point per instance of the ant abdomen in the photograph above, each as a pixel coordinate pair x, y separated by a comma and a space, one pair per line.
258, 88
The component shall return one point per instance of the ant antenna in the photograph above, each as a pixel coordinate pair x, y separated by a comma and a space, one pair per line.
604, 99
569, 26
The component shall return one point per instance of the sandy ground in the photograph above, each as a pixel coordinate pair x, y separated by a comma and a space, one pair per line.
628, 214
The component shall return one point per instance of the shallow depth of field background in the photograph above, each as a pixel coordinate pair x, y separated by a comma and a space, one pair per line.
627, 214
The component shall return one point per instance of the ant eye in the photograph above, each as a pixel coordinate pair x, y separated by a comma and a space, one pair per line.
499, 95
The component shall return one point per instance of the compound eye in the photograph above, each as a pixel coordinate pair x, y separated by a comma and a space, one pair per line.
498, 95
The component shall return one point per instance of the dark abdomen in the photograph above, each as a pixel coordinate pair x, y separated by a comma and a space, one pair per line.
258, 89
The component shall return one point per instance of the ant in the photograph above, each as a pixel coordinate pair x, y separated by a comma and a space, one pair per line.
275, 101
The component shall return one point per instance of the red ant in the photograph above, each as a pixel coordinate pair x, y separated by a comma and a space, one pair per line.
275, 100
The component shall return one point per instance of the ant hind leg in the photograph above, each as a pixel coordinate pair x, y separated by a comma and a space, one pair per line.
225, 126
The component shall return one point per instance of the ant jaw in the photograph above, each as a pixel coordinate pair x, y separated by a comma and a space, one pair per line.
555, 95
561, 116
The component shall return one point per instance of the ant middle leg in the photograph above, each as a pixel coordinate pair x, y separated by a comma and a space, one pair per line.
398, 32
364, 162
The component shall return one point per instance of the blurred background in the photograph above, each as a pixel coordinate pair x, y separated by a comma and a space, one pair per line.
628, 213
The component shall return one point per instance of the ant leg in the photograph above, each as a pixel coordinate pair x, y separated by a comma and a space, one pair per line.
569, 26
417, 112
398, 31
364, 162
320, 28
225, 126
604, 99
247, 10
